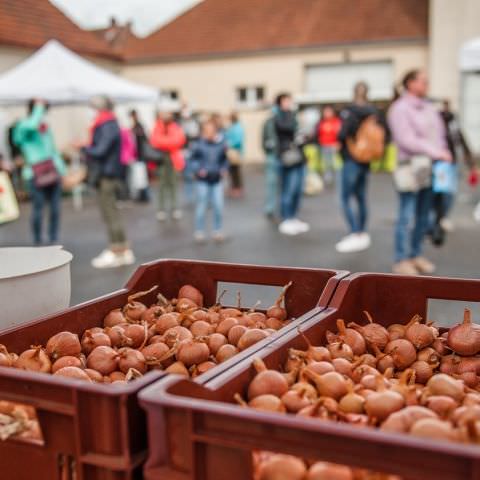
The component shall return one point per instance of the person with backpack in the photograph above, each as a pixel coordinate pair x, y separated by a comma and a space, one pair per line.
362, 138
419, 134
292, 166
210, 165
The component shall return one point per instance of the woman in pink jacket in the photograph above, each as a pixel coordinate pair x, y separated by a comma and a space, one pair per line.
419, 134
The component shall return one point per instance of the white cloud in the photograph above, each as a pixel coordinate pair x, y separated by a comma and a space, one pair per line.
146, 15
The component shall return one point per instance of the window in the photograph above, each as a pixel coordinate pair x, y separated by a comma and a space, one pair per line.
250, 97
169, 94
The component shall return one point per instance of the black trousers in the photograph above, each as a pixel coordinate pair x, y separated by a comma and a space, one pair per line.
236, 181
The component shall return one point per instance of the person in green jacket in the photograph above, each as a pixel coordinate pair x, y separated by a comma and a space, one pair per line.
43, 168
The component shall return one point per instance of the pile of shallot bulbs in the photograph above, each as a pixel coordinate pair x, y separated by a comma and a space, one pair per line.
177, 336
410, 379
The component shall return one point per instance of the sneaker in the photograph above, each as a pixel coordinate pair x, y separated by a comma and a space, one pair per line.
423, 265
288, 227
405, 267
110, 259
303, 227
218, 237
161, 216
366, 239
355, 242
177, 214
199, 237
127, 257
447, 224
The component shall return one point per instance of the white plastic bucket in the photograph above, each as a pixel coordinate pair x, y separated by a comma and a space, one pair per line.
34, 282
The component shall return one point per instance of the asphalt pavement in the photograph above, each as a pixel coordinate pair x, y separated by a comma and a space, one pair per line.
251, 237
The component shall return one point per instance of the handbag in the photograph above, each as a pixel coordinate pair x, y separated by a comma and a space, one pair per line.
233, 156
45, 173
152, 154
291, 157
445, 177
414, 174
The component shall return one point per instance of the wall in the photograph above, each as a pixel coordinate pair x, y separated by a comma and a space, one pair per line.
452, 22
210, 84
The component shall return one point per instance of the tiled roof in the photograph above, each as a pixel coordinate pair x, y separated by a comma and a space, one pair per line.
216, 27
31, 23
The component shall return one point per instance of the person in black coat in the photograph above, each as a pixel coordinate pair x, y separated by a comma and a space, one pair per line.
292, 166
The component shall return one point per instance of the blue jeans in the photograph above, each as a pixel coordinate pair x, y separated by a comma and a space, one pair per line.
209, 193
51, 195
414, 211
292, 180
328, 157
354, 181
271, 183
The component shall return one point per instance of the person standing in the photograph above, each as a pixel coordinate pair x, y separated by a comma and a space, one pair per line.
42, 170
103, 154
269, 145
327, 132
168, 137
292, 166
210, 164
460, 151
191, 128
235, 138
419, 134
138, 132
354, 174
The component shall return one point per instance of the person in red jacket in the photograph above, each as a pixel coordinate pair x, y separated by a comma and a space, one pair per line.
327, 132
168, 137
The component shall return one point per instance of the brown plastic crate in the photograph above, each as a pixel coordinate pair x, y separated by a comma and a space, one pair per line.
96, 432
197, 433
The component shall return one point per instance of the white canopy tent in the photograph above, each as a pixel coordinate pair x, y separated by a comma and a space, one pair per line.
60, 76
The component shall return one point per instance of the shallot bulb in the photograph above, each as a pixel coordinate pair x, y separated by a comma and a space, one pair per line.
277, 311
382, 403
90, 340
103, 359
134, 310
67, 361
63, 344
442, 384
192, 351
402, 420
352, 338
266, 381
402, 352
73, 372
192, 293
282, 467
130, 358
35, 359
433, 428
419, 334
464, 339
216, 341
373, 333
329, 471
225, 352
115, 317
340, 350
178, 368
5, 358
250, 337
330, 384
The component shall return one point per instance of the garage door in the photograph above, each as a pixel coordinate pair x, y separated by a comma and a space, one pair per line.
334, 83
471, 109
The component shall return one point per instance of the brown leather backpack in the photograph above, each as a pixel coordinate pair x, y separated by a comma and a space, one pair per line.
369, 142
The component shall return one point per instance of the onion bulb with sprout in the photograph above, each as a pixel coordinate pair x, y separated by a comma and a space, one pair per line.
277, 311
373, 333
464, 339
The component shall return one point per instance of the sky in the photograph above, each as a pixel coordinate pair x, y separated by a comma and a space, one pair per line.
147, 15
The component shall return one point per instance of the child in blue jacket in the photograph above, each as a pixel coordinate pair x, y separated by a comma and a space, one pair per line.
209, 163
